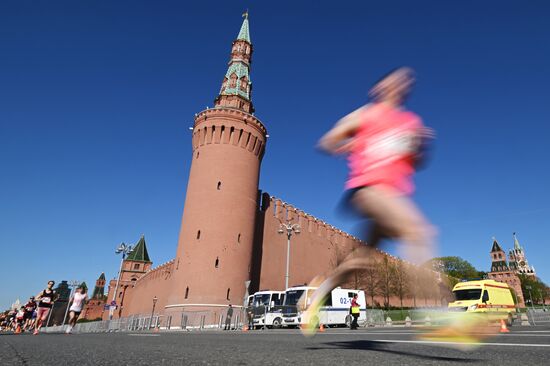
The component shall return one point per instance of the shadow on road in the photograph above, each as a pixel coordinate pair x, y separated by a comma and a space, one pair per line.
383, 347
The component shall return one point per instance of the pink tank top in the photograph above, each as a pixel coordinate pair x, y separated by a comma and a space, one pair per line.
383, 149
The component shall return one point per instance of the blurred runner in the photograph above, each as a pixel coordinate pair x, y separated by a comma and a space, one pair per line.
45, 299
79, 299
384, 143
30, 306
19, 320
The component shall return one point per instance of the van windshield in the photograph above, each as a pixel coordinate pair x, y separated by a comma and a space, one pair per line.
262, 299
473, 294
293, 296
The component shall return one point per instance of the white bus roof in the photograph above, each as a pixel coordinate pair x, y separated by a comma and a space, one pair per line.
268, 292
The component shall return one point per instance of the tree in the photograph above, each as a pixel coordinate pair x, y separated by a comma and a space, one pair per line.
454, 267
400, 285
385, 288
533, 288
370, 281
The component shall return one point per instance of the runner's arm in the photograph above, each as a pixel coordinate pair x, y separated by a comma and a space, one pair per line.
337, 140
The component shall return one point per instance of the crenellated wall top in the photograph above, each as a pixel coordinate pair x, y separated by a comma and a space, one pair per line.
165, 267
231, 113
287, 212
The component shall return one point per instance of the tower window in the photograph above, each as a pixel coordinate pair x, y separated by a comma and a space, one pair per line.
198, 234
136, 266
228, 291
239, 238
187, 292
197, 155
217, 263
219, 185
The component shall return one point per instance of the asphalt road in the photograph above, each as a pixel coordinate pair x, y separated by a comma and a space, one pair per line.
380, 346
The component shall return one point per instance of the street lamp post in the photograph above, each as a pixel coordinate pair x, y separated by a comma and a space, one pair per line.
124, 250
72, 285
288, 229
155, 299
530, 297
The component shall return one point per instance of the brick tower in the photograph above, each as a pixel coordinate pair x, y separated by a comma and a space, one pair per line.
500, 271
215, 246
518, 260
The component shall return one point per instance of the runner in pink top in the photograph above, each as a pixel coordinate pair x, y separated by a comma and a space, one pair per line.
383, 142
384, 148
78, 300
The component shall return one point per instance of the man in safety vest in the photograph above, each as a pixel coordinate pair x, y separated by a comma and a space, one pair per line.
355, 310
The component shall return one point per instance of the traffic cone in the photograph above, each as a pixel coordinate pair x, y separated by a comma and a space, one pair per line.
503, 328
321, 328
245, 328
18, 329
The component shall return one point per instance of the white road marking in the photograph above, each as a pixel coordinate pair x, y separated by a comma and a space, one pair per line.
144, 335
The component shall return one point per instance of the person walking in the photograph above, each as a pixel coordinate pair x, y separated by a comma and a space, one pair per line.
78, 301
46, 299
355, 310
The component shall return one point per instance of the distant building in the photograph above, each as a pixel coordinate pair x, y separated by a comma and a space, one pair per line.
518, 260
94, 308
502, 272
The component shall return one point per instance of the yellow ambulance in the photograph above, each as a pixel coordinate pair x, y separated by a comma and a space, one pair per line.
484, 296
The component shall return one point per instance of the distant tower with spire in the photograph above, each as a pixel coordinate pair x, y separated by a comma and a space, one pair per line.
99, 289
212, 268
518, 260
501, 271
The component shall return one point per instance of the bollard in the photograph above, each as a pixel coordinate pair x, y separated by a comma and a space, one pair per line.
428, 320
524, 319
183, 321
408, 322
389, 322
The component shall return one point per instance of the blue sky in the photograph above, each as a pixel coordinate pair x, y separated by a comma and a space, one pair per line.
96, 98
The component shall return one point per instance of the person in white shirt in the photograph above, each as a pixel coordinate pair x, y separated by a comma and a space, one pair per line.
78, 300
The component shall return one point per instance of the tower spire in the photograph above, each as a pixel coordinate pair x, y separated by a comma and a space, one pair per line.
516, 243
236, 86
244, 33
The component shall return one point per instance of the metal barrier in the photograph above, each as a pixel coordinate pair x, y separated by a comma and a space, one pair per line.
182, 320
538, 316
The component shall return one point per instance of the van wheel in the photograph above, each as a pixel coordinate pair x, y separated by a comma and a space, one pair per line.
510, 320
277, 322
348, 321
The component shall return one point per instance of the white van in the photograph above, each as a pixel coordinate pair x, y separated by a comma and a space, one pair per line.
267, 309
335, 312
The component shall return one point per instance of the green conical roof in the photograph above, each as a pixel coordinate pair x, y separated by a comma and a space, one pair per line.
244, 33
83, 285
139, 253
496, 247
102, 276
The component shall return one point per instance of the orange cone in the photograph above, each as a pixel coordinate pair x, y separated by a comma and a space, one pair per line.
18, 329
321, 328
245, 328
503, 328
